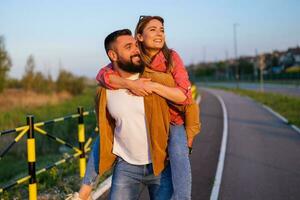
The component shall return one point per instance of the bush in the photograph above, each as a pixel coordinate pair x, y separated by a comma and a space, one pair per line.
294, 69
13, 83
42, 84
69, 82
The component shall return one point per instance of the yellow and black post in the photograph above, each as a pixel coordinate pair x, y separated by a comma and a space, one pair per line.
194, 91
81, 139
31, 158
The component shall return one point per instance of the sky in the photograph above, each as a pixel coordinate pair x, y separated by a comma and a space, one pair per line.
69, 34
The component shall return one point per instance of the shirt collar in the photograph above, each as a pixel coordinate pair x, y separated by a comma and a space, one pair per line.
158, 61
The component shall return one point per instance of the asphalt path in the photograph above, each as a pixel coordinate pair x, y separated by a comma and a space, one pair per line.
262, 157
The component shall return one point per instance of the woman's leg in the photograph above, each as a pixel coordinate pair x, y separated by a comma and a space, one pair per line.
91, 172
180, 163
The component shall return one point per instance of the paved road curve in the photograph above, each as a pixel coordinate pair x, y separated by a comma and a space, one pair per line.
262, 160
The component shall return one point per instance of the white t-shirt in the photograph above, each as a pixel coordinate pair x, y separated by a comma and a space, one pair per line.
130, 134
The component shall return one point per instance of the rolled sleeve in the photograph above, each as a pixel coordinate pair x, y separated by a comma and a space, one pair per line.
103, 76
181, 78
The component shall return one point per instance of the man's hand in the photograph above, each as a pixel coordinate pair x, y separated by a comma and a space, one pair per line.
140, 87
190, 144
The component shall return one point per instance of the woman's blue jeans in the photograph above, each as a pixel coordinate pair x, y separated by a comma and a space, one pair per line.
92, 169
180, 163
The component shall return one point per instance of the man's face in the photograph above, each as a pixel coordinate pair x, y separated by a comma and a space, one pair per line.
128, 54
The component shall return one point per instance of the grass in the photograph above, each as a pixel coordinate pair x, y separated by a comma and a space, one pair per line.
287, 106
64, 129
61, 180
17, 116
56, 183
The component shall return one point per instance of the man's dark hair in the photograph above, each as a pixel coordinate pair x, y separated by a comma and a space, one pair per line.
113, 36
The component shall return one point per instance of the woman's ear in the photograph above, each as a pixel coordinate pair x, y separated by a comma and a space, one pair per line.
112, 55
139, 37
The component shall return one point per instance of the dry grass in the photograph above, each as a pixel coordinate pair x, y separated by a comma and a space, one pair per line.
13, 98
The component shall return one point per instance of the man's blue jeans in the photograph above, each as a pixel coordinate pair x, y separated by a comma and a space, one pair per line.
180, 163
129, 180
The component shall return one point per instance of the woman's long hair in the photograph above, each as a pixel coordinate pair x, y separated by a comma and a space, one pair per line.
143, 21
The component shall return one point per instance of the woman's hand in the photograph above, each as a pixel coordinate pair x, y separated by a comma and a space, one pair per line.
140, 87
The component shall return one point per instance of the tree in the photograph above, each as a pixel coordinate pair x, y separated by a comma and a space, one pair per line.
245, 66
5, 64
28, 78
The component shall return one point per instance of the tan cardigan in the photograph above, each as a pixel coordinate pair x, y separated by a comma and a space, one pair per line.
157, 119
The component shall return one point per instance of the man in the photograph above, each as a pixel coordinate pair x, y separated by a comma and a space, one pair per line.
133, 130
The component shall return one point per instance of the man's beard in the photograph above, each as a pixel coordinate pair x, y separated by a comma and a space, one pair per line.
130, 66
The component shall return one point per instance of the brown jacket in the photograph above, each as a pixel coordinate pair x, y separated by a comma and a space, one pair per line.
157, 119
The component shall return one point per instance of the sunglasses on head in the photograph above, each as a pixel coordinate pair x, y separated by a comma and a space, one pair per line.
142, 17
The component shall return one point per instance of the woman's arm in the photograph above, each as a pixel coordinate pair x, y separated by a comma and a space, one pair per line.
180, 92
171, 93
181, 78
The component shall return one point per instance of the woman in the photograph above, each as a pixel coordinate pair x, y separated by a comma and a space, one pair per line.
156, 55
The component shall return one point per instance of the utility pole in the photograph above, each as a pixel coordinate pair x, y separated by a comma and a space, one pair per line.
226, 64
255, 66
262, 66
236, 55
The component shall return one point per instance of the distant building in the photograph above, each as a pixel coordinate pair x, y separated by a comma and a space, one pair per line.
296, 54
290, 58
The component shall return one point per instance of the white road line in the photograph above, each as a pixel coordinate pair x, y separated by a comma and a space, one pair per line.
275, 113
198, 99
297, 129
104, 186
217, 183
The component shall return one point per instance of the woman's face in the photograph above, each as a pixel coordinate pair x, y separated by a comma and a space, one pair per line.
153, 36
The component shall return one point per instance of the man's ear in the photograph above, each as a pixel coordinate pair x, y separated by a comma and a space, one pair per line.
139, 37
112, 55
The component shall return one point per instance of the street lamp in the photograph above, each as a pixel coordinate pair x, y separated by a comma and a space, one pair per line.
236, 54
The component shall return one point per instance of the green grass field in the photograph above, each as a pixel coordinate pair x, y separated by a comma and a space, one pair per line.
17, 116
287, 106
14, 165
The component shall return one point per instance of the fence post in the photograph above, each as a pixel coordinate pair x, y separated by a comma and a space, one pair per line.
31, 158
81, 140
194, 91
